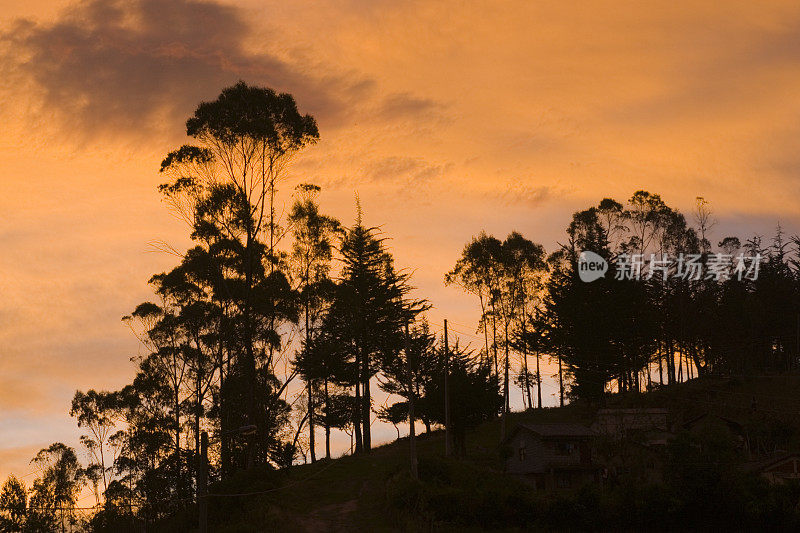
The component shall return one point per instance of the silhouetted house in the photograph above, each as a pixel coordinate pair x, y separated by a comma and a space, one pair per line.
778, 469
721, 425
705, 419
552, 456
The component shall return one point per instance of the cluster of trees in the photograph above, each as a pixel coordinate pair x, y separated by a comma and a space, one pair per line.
669, 324
49, 504
275, 326
508, 279
663, 322
262, 301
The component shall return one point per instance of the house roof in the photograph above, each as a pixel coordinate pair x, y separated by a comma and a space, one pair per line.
731, 423
633, 411
765, 464
556, 430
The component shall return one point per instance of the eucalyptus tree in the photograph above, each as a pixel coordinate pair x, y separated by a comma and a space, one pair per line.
159, 329
224, 187
95, 411
535, 338
475, 272
523, 267
509, 275
677, 295
173, 386
312, 253
55, 491
613, 220
148, 460
643, 215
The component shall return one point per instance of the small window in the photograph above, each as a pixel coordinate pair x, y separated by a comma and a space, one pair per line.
565, 448
522, 451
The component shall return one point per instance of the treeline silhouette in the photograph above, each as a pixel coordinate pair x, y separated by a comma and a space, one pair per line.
672, 322
264, 301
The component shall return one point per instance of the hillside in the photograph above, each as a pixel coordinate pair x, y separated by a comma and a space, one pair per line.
375, 493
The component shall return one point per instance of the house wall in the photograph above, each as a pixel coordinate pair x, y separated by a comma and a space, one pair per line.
540, 454
778, 473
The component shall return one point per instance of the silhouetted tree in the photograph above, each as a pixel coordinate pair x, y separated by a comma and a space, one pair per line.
94, 411
364, 323
475, 394
13, 505
56, 490
225, 189
312, 253
406, 374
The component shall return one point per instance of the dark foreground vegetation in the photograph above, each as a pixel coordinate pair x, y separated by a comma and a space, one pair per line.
273, 331
707, 484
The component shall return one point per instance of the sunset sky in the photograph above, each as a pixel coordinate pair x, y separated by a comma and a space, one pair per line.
446, 118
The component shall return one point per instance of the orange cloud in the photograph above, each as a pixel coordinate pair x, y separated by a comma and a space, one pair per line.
446, 119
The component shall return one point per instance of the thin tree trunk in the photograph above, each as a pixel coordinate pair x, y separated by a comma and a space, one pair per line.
670, 362
223, 416
327, 422
311, 443
486, 329
412, 437
525, 359
504, 422
176, 400
538, 382
367, 435
494, 342
357, 418
250, 364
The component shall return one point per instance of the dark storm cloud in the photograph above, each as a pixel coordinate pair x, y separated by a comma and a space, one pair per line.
109, 66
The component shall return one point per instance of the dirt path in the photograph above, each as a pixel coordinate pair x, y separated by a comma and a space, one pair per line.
330, 518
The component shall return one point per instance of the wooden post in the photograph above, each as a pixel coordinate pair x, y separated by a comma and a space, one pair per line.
448, 445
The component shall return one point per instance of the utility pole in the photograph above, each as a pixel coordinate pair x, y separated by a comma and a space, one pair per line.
448, 445
560, 383
412, 437
538, 374
202, 489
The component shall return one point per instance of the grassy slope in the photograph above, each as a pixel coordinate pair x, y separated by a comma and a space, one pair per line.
351, 493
